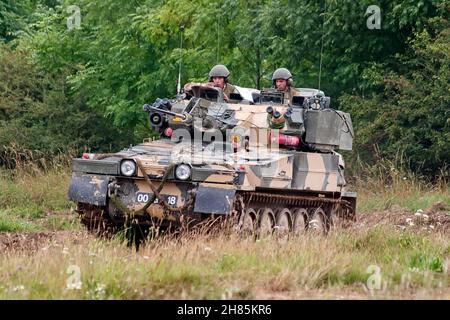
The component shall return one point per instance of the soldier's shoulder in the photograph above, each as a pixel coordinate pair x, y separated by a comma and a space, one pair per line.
295, 91
231, 86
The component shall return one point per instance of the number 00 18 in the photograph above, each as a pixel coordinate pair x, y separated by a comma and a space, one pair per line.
142, 197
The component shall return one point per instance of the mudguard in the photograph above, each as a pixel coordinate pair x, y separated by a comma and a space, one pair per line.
214, 200
91, 189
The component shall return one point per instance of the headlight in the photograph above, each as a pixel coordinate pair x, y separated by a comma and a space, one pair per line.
183, 172
128, 168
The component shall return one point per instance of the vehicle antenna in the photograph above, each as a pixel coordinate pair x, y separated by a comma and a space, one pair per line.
321, 45
181, 61
218, 43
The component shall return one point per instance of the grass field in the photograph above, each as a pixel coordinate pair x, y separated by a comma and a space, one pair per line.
398, 248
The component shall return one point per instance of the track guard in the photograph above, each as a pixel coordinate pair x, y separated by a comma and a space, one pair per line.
214, 200
90, 189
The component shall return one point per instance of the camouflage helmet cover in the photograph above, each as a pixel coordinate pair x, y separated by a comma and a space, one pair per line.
219, 71
281, 73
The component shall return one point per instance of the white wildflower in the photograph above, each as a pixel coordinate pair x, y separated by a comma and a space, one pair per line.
74, 285
100, 289
18, 288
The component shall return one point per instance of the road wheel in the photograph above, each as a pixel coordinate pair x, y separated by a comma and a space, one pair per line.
246, 225
317, 221
266, 222
283, 223
299, 221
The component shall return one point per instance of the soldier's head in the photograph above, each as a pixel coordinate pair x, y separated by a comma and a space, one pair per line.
282, 79
219, 75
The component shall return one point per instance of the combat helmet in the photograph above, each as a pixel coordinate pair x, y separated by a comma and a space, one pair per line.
219, 70
282, 73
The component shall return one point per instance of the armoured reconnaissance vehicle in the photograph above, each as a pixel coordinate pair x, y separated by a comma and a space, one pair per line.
251, 158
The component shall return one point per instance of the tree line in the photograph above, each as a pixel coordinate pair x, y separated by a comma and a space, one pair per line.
66, 87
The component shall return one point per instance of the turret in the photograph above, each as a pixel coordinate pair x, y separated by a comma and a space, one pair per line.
306, 123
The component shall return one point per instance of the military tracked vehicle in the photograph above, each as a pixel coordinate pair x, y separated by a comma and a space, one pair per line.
251, 158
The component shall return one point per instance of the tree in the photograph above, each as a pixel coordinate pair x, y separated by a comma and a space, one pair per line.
128, 53
411, 113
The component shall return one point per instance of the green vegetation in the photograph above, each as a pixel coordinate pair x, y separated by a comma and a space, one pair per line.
35, 201
13, 223
82, 89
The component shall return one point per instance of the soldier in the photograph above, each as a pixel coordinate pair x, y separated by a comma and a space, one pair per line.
219, 77
282, 81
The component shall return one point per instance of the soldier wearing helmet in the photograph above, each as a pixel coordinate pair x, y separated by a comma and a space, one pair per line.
218, 76
282, 81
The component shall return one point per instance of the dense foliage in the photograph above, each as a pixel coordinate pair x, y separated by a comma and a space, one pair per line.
81, 88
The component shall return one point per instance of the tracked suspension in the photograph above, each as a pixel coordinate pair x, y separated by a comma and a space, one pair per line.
261, 199
292, 200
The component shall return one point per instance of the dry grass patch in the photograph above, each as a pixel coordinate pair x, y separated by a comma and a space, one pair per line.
216, 267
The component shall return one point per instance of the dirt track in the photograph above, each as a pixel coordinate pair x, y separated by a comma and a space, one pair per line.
434, 219
31, 241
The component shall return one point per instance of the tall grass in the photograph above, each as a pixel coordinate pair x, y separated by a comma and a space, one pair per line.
20, 160
30, 180
217, 267
36, 191
32, 187
389, 183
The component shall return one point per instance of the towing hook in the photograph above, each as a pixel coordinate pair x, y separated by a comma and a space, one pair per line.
113, 187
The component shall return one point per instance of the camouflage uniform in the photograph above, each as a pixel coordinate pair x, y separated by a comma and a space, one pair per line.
289, 93
229, 88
